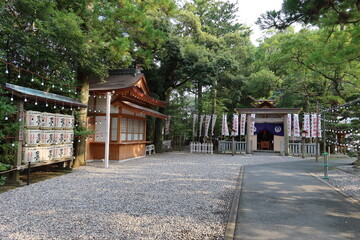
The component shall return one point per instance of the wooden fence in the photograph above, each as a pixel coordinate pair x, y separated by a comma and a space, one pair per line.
197, 147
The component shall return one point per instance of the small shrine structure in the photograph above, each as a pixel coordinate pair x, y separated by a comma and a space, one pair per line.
117, 114
270, 131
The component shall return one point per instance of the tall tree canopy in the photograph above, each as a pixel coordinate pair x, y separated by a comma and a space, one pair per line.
316, 12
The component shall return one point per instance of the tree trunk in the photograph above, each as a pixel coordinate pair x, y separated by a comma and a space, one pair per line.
357, 162
214, 96
80, 147
200, 103
159, 123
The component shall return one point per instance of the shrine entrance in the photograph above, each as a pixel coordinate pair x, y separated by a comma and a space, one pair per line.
267, 127
265, 140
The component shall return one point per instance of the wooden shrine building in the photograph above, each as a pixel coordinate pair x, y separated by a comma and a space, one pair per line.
117, 112
271, 126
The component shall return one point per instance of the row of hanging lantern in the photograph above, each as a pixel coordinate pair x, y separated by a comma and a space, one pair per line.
335, 121
341, 144
352, 131
53, 82
342, 120
56, 105
341, 107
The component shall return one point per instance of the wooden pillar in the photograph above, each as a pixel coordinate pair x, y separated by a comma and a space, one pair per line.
107, 135
248, 133
286, 135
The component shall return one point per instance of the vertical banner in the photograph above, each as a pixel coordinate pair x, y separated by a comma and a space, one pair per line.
201, 122
253, 130
242, 124
207, 124
289, 124
319, 127
226, 126
307, 124
314, 126
195, 117
213, 121
167, 125
235, 125
223, 125
296, 126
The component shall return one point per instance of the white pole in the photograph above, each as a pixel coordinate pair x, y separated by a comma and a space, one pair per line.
107, 135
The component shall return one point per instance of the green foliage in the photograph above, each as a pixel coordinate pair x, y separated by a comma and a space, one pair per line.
9, 125
262, 83
313, 65
73, 41
316, 12
2, 180
4, 167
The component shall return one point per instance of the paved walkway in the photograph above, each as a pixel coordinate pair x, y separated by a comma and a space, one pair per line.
282, 201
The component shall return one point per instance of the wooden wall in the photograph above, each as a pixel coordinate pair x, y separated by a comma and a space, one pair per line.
96, 150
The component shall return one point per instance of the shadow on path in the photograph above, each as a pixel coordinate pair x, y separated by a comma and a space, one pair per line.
282, 201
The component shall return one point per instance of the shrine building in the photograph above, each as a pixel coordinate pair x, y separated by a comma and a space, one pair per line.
270, 131
129, 104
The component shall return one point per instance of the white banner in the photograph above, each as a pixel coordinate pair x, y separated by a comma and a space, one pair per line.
235, 126
242, 124
207, 124
224, 127
195, 117
289, 124
296, 126
306, 126
201, 123
167, 125
315, 126
253, 130
213, 121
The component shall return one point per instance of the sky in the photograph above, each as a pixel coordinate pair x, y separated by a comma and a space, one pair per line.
250, 10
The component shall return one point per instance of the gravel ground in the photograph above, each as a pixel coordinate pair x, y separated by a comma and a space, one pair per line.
346, 178
163, 196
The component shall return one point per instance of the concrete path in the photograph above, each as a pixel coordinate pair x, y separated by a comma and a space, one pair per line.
282, 201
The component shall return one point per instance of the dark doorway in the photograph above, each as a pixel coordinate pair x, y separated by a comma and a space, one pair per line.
265, 140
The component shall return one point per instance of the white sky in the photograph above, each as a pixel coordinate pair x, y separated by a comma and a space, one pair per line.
250, 10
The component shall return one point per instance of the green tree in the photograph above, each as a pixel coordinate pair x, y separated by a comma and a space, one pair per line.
196, 57
316, 12
78, 40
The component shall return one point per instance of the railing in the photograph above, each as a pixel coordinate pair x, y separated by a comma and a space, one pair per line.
196, 147
296, 149
226, 146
